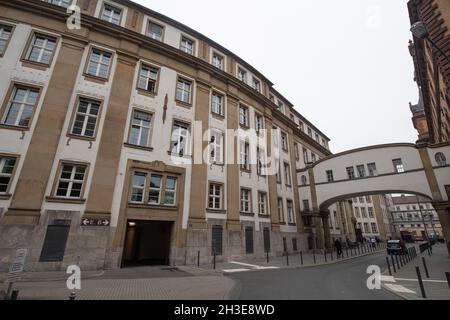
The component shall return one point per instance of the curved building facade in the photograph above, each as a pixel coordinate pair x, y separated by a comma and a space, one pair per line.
102, 131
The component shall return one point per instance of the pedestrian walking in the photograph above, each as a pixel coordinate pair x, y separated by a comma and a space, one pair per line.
338, 246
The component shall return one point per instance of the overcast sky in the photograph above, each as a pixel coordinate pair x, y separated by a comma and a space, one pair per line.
345, 65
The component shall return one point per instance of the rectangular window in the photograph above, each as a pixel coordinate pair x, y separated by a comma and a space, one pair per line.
305, 156
447, 190
266, 236
368, 199
216, 147
218, 61
5, 35
284, 141
363, 212
290, 211
155, 31
366, 227
294, 244
280, 106
259, 123
296, 151
21, 106
184, 90
330, 176
187, 45
306, 205
262, 203
370, 210
248, 240
140, 129
154, 196
362, 199
242, 75
245, 201
55, 241
280, 209
245, 156
351, 173
71, 180
313, 158
243, 116
374, 228
316, 136
99, 63
61, 3
301, 126
137, 191
217, 239
148, 78
256, 84
170, 191
398, 165
111, 14
361, 171
310, 132
357, 213
180, 136
42, 49
215, 196
372, 168
86, 118
287, 174
217, 104
7, 165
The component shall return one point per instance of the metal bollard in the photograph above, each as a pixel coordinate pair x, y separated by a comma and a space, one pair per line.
425, 267
346, 251
389, 266
396, 260
301, 257
393, 263
198, 259
447, 275
401, 262
314, 256
422, 288
287, 258
325, 255
214, 261
267, 256
359, 250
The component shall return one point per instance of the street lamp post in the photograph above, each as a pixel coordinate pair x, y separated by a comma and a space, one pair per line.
419, 30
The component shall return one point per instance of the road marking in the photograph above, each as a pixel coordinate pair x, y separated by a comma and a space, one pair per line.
234, 270
387, 279
399, 288
246, 264
424, 280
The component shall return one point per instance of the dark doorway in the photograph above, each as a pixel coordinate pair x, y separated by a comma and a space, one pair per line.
147, 243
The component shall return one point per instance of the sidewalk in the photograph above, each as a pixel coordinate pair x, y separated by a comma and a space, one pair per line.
294, 260
404, 282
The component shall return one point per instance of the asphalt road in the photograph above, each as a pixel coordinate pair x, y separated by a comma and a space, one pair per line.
340, 281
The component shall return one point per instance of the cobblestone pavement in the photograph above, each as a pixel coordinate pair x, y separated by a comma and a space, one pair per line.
404, 282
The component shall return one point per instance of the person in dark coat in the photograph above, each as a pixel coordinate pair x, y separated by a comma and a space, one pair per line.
338, 246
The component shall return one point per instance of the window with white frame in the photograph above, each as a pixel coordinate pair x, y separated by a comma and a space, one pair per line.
368, 199
280, 209
154, 196
366, 227
262, 203
357, 212
290, 211
242, 75
316, 136
155, 31
180, 136
261, 169
256, 84
245, 155
287, 174
259, 123
351, 173
361, 171
215, 196
218, 61
310, 132
296, 151
140, 128
245, 201
42, 49
184, 90
148, 78
86, 118
313, 157
5, 34
398, 165
330, 176
280, 106
372, 169
71, 180
370, 211
187, 45
305, 155
61, 3
99, 63
216, 146
217, 103
7, 165
111, 14
21, 106
138, 187
374, 228
284, 141
170, 191
363, 212
243, 116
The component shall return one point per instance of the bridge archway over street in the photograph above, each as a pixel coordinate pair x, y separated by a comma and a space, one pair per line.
381, 169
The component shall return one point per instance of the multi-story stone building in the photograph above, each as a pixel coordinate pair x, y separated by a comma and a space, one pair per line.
416, 216
431, 116
103, 128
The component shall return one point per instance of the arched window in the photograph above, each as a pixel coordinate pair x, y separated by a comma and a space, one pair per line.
304, 181
440, 159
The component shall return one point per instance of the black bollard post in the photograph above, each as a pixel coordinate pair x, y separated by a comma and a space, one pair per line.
389, 266
287, 258
396, 260
314, 256
359, 250
198, 259
393, 263
422, 288
325, 255
267, 256
301, 257
425, 267
214, 261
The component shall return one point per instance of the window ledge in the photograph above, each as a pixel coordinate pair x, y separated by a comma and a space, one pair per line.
97, 79
246, 170
35, 65
11, 127
183, 104
267, 216
129, 145
185, 156
6, 196
147, 93
152, 206
292, 224
217, 211
218, 116
79, 137
65, 200
247, 214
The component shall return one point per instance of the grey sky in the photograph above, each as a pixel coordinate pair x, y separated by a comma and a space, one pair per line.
344, 64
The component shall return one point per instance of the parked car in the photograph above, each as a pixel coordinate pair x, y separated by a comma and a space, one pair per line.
396, 247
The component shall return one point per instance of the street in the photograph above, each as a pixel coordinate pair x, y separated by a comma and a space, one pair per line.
344, 280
